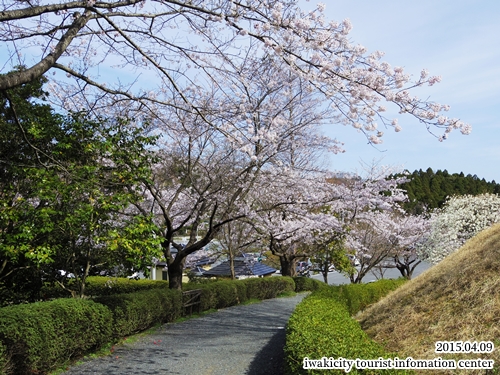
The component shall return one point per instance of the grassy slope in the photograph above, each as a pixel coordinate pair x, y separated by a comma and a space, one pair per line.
458, 299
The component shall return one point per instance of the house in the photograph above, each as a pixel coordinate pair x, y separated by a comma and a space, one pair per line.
242, 269
159, 271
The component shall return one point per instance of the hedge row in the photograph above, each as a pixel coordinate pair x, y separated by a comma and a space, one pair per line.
227, 293
38, 337
356, 297
307, 284
321, 326
136, 312
5, 365
105, 286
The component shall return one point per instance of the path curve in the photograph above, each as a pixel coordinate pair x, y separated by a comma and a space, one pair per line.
237, 340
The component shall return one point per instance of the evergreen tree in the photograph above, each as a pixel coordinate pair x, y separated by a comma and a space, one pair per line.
430, 190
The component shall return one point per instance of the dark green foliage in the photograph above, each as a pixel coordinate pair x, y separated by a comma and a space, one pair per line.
135, 312
44, 335
429, 189
221, 294
321, 326
20, 286
305, 283
268, 287
104, 286
218, 294
227, 293
65, 182
5, 367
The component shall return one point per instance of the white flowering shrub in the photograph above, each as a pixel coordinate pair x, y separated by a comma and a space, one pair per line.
461, 218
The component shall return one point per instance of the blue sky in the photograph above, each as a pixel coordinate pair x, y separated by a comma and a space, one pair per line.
458, 40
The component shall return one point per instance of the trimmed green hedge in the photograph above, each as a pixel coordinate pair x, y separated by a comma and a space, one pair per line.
321, 326
305, 283
357, 297
105, 286
39, 337
268, 287
4, 360
43, 335
225, 293
135, 312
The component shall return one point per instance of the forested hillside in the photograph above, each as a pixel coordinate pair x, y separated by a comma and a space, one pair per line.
430, 189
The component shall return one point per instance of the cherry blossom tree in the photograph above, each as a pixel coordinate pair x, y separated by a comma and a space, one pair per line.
461, 218
376, 230
236, 238
289, 227
321, 210
87, 41
410, 232
208, 176
391, 240
238, 91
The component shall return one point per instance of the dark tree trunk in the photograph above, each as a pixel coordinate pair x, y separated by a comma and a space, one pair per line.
407, 267
175, 270
324, 272
231, 264
287, 265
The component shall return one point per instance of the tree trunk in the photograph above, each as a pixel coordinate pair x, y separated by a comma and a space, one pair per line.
356, 278
287, 265
406, 269
175, 270
231, 264
324, 272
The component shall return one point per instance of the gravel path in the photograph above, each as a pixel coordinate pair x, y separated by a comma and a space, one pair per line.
237, 340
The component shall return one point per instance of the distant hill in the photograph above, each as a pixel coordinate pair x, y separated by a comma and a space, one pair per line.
430, 189
457, 299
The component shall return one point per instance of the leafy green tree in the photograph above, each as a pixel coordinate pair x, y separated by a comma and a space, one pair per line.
66, 185
27, 130
329, 250
94, 233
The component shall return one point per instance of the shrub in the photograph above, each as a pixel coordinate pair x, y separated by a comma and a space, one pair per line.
225, 293
356, 297
4, 361
220, 294
305, 283
135, 312
105, 286
230, 293
44, 335
321, 326
268, 287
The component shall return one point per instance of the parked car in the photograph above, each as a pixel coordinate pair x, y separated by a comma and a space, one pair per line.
354, 260
303, 269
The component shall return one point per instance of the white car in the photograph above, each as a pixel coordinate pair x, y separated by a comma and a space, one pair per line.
354, 260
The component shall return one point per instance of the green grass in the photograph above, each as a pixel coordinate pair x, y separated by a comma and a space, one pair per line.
289, 293
194, 315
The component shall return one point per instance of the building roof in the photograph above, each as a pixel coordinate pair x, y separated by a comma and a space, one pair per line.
241, 268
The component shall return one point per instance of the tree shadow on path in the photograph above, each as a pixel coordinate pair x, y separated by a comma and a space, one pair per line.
270, 359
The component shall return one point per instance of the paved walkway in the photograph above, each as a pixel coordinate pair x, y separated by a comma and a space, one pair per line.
237, 340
